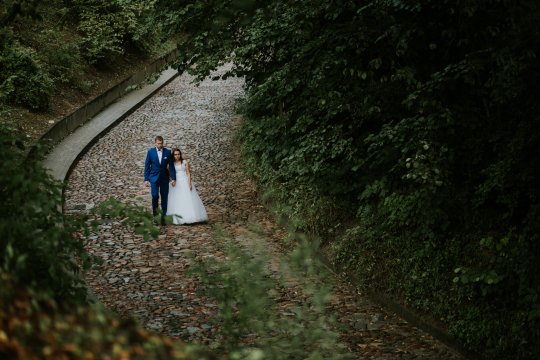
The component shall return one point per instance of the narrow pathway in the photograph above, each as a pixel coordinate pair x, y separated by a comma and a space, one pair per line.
148, 280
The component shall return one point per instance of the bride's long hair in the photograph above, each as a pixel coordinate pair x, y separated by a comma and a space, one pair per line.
181, 157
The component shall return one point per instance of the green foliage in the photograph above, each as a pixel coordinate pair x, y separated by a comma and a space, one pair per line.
110, 27
419, 118
63, 57
36, 245
23, 79
11, 9
248, 308
45, 44
133, 216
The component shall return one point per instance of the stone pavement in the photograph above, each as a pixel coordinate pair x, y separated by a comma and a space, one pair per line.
148, 279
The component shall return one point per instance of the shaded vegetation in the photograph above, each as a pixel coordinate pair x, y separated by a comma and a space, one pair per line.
65, 47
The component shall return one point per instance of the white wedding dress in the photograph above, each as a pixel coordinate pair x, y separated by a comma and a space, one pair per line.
184, 205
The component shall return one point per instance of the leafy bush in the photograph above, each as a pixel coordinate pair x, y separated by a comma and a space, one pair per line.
12, 9
63, 57
36, 245
108, 28
23, 79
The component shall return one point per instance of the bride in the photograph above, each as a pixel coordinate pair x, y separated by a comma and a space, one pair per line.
184, 204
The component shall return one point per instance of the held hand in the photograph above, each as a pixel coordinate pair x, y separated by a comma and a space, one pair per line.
147, 183
173, 182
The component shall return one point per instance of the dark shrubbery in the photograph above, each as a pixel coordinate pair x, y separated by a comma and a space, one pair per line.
44, 44
23, 80
109, 28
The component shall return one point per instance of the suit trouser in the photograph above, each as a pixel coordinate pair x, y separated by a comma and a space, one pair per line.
161, 187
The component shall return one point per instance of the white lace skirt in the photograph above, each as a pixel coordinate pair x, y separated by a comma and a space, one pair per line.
185, 206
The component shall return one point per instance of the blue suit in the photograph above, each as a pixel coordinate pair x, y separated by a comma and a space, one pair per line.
158, 175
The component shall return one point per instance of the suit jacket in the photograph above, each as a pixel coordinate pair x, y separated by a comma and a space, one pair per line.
154, 171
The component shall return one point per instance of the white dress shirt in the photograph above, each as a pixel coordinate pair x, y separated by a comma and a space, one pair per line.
159, 154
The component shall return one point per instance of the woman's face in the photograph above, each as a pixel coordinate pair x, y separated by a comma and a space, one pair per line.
176, 155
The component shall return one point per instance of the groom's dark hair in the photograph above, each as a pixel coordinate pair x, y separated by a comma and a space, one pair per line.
160, 138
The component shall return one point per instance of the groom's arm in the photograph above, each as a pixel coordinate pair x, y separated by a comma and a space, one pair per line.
147, 166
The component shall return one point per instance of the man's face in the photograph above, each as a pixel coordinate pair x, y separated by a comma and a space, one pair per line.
159, 144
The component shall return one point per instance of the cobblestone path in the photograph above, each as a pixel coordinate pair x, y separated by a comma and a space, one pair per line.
148, 280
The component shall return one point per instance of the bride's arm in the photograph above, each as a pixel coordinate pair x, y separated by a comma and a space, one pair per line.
188, 173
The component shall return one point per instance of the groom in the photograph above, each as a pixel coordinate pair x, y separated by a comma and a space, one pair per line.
157, 167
